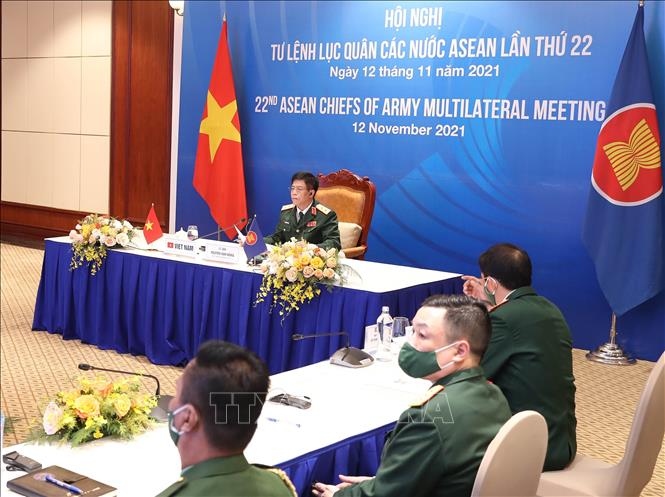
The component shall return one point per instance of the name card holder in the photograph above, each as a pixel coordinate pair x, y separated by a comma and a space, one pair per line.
178, 246
227, 252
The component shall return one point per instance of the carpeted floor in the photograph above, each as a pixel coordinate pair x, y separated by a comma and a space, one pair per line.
35, 365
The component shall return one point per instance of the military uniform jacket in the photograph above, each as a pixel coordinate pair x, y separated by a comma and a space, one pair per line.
437, 444
230, 476
318, 226
530, 358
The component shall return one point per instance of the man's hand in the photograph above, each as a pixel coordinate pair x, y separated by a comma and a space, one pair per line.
347, 481
473, 287
323, 490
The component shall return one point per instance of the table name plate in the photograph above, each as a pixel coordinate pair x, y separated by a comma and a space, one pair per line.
178, 246
212, 250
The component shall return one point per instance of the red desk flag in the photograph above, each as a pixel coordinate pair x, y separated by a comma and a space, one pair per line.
623, 229
218, 170
151, 229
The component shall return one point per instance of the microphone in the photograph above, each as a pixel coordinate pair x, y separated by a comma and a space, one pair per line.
219, 230
159, 412
349, 357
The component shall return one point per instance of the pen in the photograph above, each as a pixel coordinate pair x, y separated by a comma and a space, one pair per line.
275, 420
62, 484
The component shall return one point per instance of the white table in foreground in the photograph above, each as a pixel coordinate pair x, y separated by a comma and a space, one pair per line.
345, 403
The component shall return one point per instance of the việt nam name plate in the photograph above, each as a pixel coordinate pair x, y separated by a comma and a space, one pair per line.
177, 246
213, 250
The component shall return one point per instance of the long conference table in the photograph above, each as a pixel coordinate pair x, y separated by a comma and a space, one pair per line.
341, 433
164, 306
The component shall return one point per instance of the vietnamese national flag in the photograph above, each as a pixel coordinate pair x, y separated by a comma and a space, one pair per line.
151, 229
218, 170
623, 229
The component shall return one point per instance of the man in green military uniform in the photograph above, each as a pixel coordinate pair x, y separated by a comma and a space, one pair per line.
213, 417
439, 442
305, 218
530, 353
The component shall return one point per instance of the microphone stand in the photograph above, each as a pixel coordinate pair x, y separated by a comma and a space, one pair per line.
160, 411
349, 357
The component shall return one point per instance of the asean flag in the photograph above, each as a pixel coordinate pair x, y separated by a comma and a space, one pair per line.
218, 171
623, 228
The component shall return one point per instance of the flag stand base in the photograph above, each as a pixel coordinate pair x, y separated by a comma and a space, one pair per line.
610, 352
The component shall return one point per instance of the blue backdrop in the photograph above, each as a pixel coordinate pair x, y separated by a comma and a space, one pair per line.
476, 120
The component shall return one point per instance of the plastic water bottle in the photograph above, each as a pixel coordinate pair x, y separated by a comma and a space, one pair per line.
384, 325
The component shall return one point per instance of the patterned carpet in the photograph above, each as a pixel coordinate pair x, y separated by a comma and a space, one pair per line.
35, 365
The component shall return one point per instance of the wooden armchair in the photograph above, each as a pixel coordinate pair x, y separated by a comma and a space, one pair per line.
352, 198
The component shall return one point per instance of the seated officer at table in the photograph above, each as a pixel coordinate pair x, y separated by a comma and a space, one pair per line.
305, 218
212, 419
530, 354
438, 443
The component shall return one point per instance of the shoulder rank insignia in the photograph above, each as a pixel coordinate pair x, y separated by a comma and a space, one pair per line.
287, 207
283, 476
427, 396
323, 209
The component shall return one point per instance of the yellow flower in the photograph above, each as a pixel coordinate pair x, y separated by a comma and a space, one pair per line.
317, 262
121, 404
86, 406
98, 434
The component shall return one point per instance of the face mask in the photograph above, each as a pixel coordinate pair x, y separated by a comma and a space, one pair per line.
488, 294
421, 364
173, 431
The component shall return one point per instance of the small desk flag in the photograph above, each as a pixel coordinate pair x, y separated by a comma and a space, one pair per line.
218, 170
254, 244
151, 229
623, 229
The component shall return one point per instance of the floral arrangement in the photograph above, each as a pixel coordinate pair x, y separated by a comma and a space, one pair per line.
292, 273
96, 408
93, 235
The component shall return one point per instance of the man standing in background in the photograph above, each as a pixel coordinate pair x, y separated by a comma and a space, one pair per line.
529, 356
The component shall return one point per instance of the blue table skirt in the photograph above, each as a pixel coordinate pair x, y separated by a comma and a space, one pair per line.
355, 456
164, 309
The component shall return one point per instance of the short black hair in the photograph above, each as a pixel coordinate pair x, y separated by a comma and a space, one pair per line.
508, 264
310, 180
465, 318
227, 384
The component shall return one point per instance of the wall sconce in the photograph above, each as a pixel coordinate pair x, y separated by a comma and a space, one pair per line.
178, 6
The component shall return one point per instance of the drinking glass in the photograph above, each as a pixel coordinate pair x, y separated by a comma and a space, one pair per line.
192, 232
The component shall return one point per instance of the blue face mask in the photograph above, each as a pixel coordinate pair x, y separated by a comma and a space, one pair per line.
173, 431
419, 364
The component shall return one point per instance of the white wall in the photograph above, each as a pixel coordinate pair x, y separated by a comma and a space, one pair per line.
56, 101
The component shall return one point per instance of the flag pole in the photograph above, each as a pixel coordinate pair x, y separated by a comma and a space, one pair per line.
610, 352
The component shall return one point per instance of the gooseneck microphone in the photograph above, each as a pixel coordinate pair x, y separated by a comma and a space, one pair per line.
158, 412
219, 229
349, 357
299, 336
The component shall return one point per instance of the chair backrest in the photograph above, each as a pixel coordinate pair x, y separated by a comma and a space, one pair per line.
646, 435
514, 460
352, 198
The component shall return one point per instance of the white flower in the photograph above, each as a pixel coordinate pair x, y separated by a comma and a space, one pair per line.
122, 239
96, 233
78, 227
127, 225
109, 241
52, 418
116, 224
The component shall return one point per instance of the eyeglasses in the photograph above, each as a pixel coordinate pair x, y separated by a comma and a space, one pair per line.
297, 189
